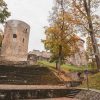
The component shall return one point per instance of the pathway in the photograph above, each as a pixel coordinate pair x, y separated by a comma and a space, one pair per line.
64, 98
30, 87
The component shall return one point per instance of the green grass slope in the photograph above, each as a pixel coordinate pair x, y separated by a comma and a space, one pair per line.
94, 82
64, 67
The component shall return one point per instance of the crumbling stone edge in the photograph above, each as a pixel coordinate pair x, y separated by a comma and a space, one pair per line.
91, 94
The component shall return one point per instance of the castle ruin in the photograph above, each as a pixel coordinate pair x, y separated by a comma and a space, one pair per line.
15, 41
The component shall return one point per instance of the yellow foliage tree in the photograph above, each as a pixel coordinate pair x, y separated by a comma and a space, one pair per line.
60, 35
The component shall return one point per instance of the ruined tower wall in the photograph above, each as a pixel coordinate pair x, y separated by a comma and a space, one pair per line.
15, 42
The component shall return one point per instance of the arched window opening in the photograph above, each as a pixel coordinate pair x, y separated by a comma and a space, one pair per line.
23, 40
14, 36
3, 36
25, 30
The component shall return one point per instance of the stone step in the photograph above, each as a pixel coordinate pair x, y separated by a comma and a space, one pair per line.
24, 94
28, 75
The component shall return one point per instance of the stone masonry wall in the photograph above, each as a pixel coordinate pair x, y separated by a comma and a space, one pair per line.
15, 42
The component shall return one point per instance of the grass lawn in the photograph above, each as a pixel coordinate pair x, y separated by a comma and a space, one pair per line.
94, 82
94, 79
64, 67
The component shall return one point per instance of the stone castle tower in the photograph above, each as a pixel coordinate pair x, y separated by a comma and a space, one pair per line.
15, 41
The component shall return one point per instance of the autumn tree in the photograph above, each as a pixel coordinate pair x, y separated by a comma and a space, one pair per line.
4, 13
60, 37
84, 12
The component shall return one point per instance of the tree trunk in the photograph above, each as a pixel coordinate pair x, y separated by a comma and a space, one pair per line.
96, 51
58, 63
92, 34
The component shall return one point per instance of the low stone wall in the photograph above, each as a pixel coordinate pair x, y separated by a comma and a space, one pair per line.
88, 95
14, 58
15, 63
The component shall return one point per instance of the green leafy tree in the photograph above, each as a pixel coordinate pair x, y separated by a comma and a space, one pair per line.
4, 13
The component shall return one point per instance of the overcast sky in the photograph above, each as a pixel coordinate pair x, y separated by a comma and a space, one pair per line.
35, 13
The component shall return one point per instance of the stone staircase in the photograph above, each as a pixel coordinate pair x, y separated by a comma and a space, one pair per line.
33, 75
37, 94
